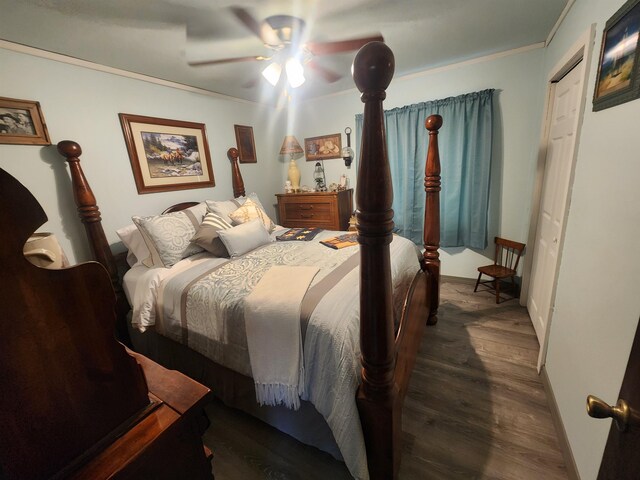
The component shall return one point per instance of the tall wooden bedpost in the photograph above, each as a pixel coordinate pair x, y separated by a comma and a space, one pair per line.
236, 177
431, 257
373, 69
90, 216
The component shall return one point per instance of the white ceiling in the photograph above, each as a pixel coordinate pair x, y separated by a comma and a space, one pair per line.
159, 37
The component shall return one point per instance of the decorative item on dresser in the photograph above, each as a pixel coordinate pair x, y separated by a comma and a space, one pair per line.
75, 403
367, 428
330, 210
291, 146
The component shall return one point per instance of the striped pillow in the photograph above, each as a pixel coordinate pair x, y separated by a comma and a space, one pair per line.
207, 234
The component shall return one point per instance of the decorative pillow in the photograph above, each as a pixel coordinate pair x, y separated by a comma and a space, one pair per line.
168, 237
251, 211
244, 238
134, 242
207, 234
225, 207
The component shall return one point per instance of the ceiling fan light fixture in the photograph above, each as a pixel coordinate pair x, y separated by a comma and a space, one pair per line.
272, 73
295, 72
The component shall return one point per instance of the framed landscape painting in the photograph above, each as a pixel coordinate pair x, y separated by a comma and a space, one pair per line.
618, 79
167, 154
22, 123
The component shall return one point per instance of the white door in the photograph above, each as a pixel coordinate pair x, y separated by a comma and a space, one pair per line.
561, 143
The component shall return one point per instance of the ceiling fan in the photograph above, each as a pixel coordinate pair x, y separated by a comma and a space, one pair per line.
282, 35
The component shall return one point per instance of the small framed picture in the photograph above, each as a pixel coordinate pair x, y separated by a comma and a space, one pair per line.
22, 123
323, 148
167, 154
618, 79
245, 143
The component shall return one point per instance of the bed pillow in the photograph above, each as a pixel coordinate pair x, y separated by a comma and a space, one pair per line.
225, 207
207, 234
252, 211
132, 239
168, 237
245, 237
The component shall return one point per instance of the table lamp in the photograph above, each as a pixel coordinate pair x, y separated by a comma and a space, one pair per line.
292, 147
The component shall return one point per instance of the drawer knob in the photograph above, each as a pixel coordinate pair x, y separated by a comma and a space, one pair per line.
306, 207
307, 215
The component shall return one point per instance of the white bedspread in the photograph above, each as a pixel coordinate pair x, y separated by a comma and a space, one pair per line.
331, 344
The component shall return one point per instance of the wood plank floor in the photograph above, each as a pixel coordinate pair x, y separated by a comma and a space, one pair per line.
475, 408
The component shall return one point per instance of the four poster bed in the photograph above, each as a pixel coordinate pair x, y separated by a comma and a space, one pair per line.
387, 349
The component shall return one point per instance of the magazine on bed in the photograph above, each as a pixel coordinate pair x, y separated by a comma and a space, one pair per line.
302, 234
341, 241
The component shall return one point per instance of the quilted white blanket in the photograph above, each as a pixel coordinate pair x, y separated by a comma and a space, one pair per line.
209, 317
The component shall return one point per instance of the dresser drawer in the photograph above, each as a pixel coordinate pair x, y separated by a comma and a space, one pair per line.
308, 211
329, 210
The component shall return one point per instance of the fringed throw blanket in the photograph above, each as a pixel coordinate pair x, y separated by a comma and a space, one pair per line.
274, 340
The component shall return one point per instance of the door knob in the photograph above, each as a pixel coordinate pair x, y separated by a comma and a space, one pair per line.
621, 413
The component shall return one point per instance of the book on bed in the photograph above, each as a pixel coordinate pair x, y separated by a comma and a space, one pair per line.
300, 234
341, 241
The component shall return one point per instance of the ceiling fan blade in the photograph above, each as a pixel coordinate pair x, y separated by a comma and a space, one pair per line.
327, 48
329, 75
262, 30
227, 60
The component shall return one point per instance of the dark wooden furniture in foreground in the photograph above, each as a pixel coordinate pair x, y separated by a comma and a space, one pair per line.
505, 265
75, 403
387, 359
329, 210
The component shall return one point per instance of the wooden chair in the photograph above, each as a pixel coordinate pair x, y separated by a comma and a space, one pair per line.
505, 265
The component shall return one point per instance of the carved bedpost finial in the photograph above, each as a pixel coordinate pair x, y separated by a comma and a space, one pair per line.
431, 257
373, 67
372, 72
236, 176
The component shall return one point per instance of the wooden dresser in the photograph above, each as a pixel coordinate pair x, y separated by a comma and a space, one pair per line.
330, 210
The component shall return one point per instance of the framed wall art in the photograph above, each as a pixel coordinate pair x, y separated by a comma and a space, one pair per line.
167, 154
22, 123
618, 79
323, 148
245, 143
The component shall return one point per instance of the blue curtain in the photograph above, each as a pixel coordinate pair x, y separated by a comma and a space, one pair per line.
465, 154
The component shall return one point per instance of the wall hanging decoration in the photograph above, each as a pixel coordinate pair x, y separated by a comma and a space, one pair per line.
167, 154
618, 79
347, 152
323, 148
245, 143
22, 123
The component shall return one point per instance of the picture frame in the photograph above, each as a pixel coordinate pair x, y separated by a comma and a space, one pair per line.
618, 79
166, 154
324, 147
22, 123
246, 145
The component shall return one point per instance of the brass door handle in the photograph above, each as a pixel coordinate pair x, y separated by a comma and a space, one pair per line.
621, 413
